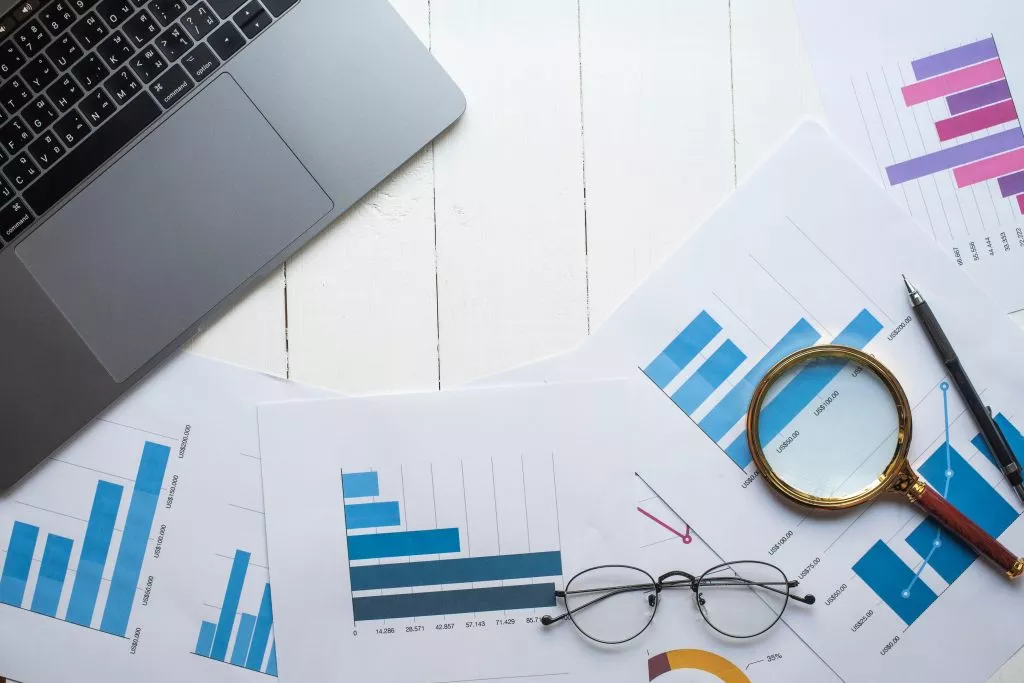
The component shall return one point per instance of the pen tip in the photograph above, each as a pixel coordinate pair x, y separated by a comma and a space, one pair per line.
910, 288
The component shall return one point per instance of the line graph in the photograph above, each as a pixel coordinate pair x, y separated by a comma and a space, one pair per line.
683, 535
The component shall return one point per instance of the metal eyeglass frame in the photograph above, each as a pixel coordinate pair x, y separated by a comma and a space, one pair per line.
676, 579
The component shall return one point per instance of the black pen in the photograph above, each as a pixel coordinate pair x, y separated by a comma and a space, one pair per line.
990, 432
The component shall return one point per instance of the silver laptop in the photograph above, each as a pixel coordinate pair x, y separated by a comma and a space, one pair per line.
157, 157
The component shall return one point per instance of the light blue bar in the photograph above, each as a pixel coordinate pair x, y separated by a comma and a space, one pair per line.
18, 563
360, 485
683, 349
243, 640
458, 570
229, 606
95, 548
135, 540
888, 576
402, 543
261, 633
734, 405
371, 515
272, 664
805, 386
205, 641
709, 376
50, 584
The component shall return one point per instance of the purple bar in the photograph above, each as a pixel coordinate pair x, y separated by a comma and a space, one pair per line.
990, 93
1012, 184
957, 58
951, 157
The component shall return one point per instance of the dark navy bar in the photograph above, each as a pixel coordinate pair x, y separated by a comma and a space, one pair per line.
436, 603
461, 570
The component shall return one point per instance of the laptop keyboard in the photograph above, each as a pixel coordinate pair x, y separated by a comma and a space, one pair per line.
80, 78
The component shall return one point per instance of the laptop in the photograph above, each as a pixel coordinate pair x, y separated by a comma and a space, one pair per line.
158, 157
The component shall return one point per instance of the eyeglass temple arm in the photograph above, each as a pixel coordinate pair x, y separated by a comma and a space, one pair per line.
769, 585
548, 620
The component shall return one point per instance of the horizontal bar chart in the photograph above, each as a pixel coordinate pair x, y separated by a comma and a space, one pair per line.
952, 82
976, 120
951, 157
955, 58
439, 603
403, 543
990, 93
57, 561
461, 570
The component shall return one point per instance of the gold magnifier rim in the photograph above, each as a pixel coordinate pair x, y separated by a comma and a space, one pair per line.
904, 424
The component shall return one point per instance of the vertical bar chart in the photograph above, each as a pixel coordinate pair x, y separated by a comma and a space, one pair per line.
409, 573
239, 638
57, 563
726, 360
971, 81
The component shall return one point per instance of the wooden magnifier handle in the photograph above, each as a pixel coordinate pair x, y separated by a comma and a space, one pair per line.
929, 500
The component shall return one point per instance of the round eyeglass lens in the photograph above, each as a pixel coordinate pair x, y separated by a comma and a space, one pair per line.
742, 599
611, 604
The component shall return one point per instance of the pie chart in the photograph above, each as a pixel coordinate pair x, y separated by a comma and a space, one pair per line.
697, 660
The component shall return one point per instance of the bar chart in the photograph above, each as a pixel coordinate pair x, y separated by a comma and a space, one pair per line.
719, 362
240, 638
947, 470
94, 599
496, 557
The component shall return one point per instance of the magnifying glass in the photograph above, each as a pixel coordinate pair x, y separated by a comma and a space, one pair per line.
829, 428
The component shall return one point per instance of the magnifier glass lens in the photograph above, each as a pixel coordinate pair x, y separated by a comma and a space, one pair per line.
829, 427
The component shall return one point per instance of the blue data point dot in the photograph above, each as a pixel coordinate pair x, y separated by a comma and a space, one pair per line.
944, 386
949, 474
937, 543
905, 594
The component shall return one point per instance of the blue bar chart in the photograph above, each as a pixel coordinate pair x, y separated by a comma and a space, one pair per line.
897, 583
724, 362
386, 555
240, 638
57, 566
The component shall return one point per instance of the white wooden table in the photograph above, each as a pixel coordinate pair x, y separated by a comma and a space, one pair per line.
599, 133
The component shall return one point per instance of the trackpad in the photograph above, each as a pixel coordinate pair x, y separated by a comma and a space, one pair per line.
175, 226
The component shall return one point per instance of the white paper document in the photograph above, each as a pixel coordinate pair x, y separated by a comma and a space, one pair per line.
810, 251
421, 538
922, 92
137, 552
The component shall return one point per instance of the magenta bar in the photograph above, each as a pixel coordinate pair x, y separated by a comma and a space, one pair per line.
967, 100
977, 120
1012, 184
986, 169
1020, 202
957, 58
955, 81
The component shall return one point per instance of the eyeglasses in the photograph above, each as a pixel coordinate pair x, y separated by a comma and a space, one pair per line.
614, 604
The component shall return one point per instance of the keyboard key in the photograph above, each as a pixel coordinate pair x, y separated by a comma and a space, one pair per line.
40, 115
104, 142
140, 28
25, 10
14, 94
89, 71
171, 86
122, 86
14, 135
173, 43
46, 150
63, 52
64, 93
10, 59
57, 17
82, 6
14, 218
97, 107
199, 21
148, 64
225, 8
6, 193
252, 19
71, 129
200, 63
31, 38
20, 170
7, 26
226, 41
279, 7
39, 73
115, 50
89, 30
166, 11
114, 12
